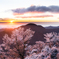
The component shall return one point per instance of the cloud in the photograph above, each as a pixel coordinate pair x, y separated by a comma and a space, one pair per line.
1, 19
37, 9
41, 16
20, 10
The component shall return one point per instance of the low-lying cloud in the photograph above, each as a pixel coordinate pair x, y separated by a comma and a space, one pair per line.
41, 16
37, 9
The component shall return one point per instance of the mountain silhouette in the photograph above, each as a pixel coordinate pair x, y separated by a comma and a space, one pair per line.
39, 31
52, 27
38, 35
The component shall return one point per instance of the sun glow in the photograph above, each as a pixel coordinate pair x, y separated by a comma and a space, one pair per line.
11, 21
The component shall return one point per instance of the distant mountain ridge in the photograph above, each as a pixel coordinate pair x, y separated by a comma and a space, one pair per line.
52, 27
39, 32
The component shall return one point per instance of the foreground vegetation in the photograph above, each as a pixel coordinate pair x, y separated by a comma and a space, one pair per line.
16, 46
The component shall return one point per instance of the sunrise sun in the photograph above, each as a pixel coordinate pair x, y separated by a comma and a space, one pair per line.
11, 21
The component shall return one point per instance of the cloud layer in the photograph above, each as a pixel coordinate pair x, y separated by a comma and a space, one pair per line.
41, 16
37, 9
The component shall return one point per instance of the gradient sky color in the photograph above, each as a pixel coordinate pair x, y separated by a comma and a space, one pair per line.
22, 11
11, 4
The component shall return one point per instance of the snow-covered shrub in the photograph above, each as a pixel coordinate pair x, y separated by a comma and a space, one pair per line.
51, 37
16, 46
48, 50
36, 48
13, 47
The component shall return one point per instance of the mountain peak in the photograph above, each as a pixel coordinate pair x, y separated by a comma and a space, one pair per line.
34, 25
31, 24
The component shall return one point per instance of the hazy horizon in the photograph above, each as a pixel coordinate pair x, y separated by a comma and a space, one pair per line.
15, 25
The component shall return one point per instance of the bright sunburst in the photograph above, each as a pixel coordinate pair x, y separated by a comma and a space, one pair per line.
11, 21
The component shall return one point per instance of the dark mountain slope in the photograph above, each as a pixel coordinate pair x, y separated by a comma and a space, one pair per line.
39, 32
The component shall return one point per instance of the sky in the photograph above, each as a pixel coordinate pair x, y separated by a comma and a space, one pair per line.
29, 11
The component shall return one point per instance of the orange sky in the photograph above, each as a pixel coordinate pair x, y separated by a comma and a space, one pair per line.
33, 17
29, 11
31, 20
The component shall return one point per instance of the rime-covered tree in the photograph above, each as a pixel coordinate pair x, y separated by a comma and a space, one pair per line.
53, 36
13, 47
45, 50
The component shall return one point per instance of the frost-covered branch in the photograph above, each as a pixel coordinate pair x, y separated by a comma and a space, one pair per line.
13, 47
